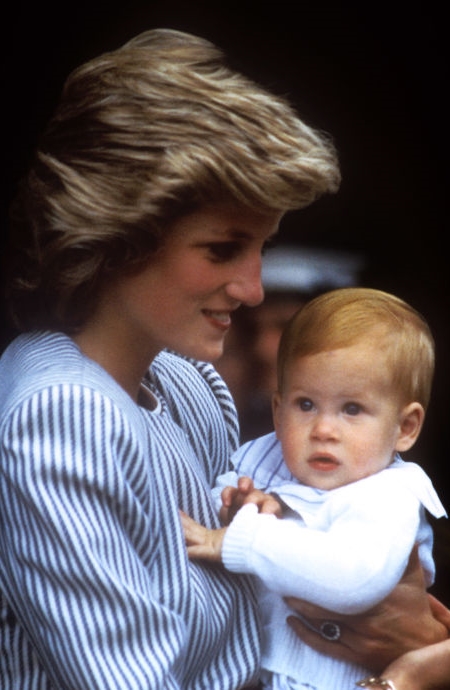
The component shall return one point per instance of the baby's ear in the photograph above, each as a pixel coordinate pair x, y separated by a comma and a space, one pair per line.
276, 401
410, 425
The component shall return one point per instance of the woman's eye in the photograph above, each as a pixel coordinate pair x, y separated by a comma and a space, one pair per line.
352, 408
223, 251
305, 404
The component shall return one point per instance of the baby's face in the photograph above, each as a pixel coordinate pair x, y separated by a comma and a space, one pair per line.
337, 418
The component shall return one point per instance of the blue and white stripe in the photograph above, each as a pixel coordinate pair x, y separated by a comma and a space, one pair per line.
96, 591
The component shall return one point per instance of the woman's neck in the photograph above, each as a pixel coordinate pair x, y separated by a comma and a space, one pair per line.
126, 360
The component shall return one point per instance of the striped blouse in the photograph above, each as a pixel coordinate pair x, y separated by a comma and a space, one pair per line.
96, 591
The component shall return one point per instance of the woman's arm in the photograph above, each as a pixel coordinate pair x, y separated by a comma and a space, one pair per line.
408, 619
77, 547
422, 669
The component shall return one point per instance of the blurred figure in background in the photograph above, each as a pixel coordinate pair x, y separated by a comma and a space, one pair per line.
291, 275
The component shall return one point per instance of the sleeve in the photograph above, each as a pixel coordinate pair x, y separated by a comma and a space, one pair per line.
347, 568
200, 402
224, 399
79, 537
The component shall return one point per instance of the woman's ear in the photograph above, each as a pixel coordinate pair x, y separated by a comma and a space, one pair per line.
410, 425
276, 402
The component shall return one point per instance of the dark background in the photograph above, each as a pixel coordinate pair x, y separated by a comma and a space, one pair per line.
373, 75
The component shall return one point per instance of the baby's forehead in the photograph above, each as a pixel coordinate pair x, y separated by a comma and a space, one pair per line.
350, 368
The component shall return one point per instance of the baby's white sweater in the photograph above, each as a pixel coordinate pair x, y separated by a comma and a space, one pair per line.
344, 550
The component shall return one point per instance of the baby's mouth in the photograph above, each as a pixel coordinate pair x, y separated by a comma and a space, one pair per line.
323, 462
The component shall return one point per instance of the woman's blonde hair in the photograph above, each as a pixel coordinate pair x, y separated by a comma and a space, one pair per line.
342, 317
143, 135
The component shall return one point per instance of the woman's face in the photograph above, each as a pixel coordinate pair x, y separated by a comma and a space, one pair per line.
184, 297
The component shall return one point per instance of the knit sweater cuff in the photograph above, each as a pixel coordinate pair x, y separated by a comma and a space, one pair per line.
240, 537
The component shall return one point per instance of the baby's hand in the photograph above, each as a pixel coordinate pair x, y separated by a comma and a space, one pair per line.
202, 542
233, 498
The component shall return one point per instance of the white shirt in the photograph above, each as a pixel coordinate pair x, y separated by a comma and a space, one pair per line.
343, 549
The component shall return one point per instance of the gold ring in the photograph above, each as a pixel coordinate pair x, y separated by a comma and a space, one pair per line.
373, 682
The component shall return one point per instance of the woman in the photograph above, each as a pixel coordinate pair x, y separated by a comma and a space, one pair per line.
139, 230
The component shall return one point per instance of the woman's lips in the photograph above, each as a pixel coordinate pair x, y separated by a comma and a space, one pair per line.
220, 319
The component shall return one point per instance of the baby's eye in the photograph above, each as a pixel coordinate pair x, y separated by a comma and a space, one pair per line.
305, 404
352, 408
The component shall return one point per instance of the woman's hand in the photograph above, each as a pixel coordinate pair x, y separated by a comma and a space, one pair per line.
426, 668
407, 619
422, 669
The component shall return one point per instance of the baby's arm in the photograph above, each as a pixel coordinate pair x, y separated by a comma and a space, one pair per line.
207, 543
407, 619
347, 567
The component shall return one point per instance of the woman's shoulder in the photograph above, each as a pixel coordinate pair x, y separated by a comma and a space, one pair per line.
42, 360
193, 379
34, 360
195, 390
36, 351
169, 365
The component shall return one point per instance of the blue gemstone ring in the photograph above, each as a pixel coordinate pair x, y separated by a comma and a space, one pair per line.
330, 631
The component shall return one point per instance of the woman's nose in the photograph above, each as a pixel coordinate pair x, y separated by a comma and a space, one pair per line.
246, 286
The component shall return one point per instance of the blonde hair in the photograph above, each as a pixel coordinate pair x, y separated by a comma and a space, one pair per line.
342, 317
143, 135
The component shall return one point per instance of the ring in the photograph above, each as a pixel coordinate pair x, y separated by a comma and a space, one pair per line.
373, 682
330, 631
